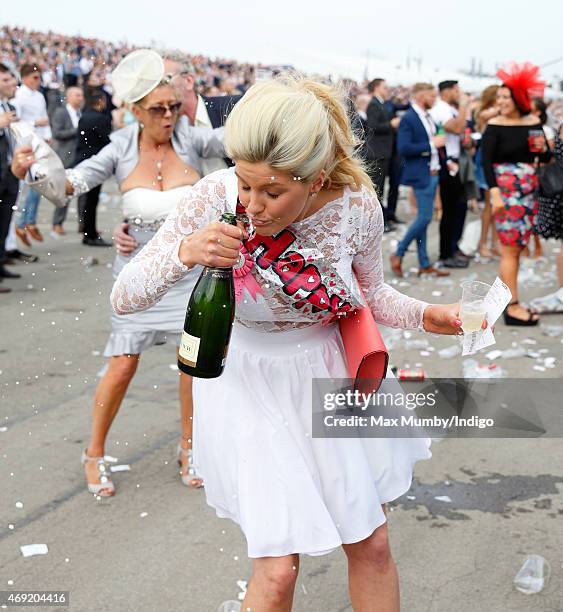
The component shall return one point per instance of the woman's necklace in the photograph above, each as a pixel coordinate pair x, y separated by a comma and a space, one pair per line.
158, 162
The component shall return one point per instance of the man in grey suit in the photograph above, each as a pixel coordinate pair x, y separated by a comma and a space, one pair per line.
64, 125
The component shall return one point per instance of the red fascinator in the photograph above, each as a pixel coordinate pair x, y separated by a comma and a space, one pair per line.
524, 82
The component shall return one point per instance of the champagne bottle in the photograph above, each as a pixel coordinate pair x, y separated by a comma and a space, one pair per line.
209, 321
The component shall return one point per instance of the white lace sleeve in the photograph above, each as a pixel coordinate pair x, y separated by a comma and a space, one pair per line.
149, 275
389, 307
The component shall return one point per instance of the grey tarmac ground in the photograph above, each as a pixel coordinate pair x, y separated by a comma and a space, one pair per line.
158, 546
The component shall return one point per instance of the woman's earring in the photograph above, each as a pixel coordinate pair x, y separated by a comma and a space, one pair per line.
142, 125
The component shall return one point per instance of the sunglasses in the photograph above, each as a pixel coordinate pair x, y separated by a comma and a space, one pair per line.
161, 110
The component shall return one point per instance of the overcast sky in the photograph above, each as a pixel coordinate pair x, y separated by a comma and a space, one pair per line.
314, 33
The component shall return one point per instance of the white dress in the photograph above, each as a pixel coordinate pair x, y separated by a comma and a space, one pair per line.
253, 445
146, 210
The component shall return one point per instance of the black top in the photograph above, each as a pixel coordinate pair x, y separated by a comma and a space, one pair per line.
94, 129
502, 144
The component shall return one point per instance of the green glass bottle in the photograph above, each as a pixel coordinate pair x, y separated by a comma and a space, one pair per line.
209, 321
440, 131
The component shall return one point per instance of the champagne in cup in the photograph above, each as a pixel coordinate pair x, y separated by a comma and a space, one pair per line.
472, 311
536, 141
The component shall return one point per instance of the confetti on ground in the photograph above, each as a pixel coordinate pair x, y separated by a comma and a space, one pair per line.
444, 498
120, 468
242, 585
30, 550
143, 514
19, 504
450, 351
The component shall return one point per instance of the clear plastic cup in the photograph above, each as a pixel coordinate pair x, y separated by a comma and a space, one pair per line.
229, 606
536, 141
533, 575
472, 312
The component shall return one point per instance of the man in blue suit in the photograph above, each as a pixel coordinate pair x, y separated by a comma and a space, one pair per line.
419, 147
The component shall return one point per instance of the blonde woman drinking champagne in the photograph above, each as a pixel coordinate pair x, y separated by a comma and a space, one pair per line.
299, 181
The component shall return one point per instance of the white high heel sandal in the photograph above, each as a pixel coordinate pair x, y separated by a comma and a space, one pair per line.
188, 479
105, 483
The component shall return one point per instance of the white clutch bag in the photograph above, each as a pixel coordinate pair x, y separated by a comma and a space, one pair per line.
47, 175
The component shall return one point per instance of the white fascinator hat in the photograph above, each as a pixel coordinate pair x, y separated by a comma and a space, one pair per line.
137, 74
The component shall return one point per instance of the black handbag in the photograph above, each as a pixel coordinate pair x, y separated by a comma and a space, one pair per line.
550, 178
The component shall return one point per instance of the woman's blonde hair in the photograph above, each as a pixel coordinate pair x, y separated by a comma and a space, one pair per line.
165, 82
299, 126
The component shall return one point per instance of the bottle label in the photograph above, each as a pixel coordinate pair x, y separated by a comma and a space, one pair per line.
189, 349
220, 273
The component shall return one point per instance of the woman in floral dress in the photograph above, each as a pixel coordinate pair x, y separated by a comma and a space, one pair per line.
512, 144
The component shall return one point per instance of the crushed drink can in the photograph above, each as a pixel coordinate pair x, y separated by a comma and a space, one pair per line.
416, 374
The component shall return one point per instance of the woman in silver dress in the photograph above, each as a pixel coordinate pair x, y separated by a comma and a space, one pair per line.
155, 162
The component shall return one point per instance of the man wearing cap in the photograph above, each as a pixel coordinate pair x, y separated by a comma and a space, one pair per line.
31, 108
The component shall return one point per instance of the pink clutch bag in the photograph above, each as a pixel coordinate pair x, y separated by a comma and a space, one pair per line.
366, 354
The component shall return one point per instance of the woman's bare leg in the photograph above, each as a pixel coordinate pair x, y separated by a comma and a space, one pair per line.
496, 241
486, 219
186, 418
538, 248
107, 400
272, 584
509, 264
372, 574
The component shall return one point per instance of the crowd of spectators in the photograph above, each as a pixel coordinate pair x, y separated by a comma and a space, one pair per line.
76, 60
